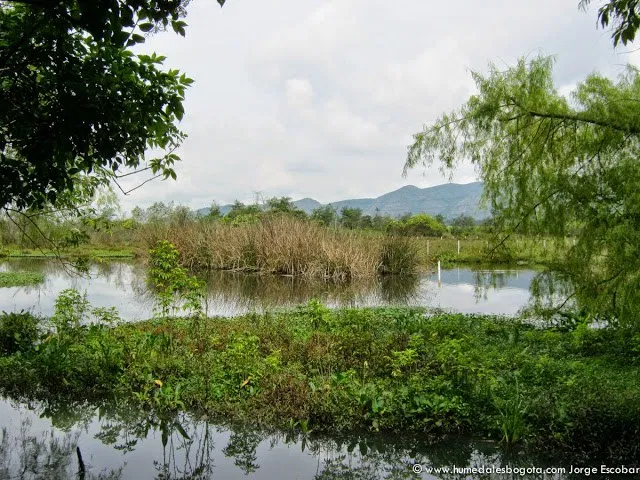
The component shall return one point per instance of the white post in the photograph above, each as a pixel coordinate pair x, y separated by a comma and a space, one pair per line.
438, 272
427, 247
458, 247
544, 243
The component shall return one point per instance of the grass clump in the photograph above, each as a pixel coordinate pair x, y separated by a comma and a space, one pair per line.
20, 279
387, 369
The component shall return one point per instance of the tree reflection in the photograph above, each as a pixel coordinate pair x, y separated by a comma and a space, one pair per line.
182, 446
45, 456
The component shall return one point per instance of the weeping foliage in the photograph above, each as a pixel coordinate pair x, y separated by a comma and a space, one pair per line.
556, 166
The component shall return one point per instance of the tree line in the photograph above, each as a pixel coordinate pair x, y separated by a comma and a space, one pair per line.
420, 224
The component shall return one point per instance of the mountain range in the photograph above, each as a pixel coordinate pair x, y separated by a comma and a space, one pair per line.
449, 200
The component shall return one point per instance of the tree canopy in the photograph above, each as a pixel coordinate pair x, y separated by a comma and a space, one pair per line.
78, 108
622, 15
556, 166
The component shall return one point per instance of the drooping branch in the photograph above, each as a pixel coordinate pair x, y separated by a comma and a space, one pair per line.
581, 118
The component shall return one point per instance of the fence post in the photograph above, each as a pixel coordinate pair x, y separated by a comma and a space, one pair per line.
427, 247
438, 272
458, 247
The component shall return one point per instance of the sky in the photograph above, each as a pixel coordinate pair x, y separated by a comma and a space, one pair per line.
320, 98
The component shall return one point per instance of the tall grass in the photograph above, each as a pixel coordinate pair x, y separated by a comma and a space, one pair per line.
286, 246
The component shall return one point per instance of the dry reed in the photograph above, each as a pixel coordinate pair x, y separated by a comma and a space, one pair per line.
278, 245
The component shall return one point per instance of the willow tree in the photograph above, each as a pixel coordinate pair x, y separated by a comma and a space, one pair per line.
554, 165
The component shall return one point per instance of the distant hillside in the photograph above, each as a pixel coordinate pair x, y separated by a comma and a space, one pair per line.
449, 199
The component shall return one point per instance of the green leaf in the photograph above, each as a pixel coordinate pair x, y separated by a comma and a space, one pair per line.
135, 39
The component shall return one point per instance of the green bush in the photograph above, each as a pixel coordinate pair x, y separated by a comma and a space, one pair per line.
18, 332
417, 225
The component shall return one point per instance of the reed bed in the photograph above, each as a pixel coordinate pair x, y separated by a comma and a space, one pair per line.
284, 245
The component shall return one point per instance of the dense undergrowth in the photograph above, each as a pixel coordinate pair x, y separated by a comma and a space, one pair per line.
387, 369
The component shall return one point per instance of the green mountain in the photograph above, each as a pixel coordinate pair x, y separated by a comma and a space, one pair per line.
449, 199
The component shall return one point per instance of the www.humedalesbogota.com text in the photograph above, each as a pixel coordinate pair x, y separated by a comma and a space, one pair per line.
491, 469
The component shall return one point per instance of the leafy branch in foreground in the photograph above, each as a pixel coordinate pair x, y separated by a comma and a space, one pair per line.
622, 15
77, 106
556, 166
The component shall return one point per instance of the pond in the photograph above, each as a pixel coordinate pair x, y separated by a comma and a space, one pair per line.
48, 441
51, 440
123, 284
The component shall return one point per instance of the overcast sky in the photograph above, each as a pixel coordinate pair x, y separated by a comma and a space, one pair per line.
320, 98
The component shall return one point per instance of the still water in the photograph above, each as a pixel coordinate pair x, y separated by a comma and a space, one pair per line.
49, 440
42, 441
123, 284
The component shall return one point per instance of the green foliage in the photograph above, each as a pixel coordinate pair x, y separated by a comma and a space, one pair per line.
556, 167
114, 106
241, 214
18, 332
214, 213
20, 279
421, 224
72, 310
174, 286
351, 218
391, 369
325, 215
623, 15
509, 402
283, 205
462, 225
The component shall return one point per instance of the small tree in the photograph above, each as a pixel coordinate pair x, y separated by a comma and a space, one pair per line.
174, 286
284, 205
214, 213
326, 215
350, 217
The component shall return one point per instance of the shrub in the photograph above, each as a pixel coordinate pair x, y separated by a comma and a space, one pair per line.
417, 225
18, 332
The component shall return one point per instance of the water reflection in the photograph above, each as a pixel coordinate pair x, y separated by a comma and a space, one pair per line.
120, 443
124, 285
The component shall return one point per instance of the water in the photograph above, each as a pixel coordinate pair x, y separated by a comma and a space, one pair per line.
123, 284
39, 441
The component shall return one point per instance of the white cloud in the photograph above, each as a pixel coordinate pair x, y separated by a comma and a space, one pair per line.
320, 98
